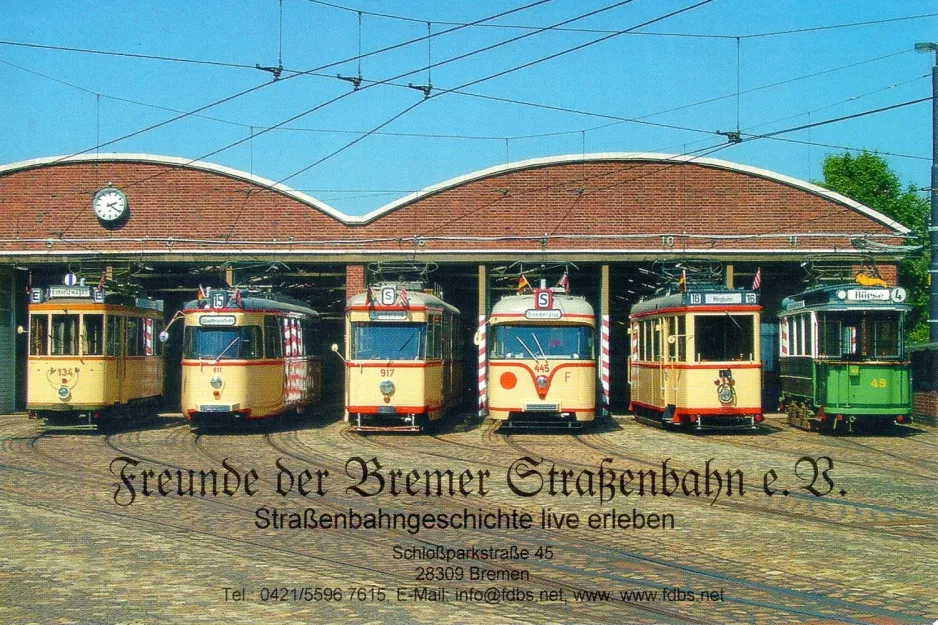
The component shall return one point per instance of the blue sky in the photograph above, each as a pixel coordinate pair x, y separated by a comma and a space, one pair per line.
62, 102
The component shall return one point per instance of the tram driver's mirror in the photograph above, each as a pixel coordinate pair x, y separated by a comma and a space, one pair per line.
20, 330
164, 336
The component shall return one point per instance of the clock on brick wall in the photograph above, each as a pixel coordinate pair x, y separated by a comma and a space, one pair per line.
109, 205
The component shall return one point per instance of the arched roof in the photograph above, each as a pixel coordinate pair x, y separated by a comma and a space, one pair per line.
441, 187
586, 205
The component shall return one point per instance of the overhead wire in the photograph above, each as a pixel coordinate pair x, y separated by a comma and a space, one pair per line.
295, 75
422, 20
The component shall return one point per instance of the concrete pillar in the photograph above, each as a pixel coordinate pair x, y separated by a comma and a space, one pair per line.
8, 335
482, 340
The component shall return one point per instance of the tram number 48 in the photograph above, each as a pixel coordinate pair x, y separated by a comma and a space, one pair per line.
878, 383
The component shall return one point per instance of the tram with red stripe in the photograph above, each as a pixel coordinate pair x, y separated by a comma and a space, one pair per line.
247, 358
695, 358
404, 364
541, 360
92, 356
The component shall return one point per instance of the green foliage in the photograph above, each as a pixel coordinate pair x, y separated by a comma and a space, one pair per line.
868, 179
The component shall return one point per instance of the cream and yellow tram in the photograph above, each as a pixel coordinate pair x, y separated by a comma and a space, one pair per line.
695, 359
541, 361
248, 358
404, 365
93, 357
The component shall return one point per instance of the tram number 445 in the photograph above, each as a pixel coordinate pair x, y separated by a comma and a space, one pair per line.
814, 472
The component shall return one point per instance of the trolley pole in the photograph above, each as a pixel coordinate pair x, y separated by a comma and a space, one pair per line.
933, 225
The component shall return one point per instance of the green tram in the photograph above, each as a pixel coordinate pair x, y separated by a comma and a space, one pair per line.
843, 358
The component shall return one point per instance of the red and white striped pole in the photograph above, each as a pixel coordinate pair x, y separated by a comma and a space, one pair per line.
604, 363
483, 372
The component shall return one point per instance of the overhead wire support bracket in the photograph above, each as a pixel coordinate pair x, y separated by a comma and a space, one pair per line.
425, 88
355, 80
732, 136
276, 71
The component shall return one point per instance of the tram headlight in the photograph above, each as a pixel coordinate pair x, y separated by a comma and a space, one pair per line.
386, 387
216, 382
841, 294
64, 393
541, 382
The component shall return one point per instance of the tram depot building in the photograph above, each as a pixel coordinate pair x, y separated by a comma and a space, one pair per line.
606, 218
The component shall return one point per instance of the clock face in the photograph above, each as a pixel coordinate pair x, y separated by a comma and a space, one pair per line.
109, 204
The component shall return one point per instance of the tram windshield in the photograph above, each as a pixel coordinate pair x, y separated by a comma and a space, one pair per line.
534, 342
389, 341
723, 338
233, 343
860, 335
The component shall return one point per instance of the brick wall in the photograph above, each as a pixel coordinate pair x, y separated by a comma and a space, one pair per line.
206, 210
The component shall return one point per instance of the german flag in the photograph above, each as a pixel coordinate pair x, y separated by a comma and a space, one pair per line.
523, 284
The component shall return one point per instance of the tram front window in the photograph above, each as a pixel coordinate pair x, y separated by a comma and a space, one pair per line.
238, 343
389, 341
39, 335
535, 342
860, 335
723, 337
65, 335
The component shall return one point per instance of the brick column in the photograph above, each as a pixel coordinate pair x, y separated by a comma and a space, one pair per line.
354, 280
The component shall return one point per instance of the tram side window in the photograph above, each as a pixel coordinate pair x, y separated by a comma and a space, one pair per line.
447, 337
93, 335
885, 338
273, 340
310, 337
39, 335
829, 339
678, 329
434, 341
65, 335
723, 337
113, 335
134, 337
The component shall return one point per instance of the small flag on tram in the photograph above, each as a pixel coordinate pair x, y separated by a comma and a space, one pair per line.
371, 295
564, 282
757, 281
682, 283
405, 301
200, 295
101, 282
523, 284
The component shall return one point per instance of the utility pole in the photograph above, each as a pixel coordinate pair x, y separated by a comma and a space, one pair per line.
933, 225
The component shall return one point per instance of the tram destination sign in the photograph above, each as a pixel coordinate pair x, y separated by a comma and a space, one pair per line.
542, 314
216, 320
869, 295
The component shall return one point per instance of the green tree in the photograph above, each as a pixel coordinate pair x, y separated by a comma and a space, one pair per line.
868, 179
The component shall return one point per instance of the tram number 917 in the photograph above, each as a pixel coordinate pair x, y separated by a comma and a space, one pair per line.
387, 373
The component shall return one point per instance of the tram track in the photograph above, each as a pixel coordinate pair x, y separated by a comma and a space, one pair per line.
291, 446
582, 546
796, 517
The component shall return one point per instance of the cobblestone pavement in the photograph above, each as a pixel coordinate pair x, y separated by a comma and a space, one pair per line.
854, 540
